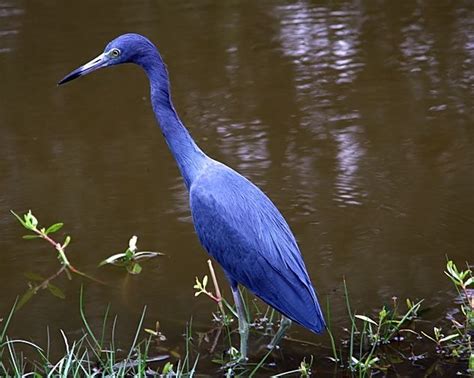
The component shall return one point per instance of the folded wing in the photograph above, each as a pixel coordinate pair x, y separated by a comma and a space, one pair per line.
243, 230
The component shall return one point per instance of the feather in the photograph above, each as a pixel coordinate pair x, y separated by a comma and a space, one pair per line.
242, 229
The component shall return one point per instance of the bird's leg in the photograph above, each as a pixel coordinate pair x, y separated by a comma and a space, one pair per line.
285, 323
243, 325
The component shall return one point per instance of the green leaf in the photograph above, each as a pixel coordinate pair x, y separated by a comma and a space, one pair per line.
146, 255
355, 360
29, 237
56, 291
129, 254
204, 281
25, 298
33, 276
151, 332
135, 268
168, 368
372, 361
469, 281
53, 228
365, 319
117, 259
66, 241
31, 220
449, 337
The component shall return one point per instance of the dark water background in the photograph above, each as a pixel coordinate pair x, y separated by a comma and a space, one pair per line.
355, 117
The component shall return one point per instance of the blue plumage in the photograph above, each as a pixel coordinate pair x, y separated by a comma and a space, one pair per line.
235, 221
243, 230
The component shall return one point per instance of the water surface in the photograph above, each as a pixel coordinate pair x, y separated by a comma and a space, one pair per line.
354, 117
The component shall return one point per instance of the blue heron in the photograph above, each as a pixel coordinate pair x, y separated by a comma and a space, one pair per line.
235, 221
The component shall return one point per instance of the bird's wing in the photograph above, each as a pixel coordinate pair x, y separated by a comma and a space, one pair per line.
243, 230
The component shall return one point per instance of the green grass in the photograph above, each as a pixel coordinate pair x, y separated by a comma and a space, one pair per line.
364, 350
371, 342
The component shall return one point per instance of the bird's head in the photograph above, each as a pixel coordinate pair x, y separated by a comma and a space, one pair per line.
127, 48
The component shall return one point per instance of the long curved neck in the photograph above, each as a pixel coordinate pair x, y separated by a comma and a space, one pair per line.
188, 155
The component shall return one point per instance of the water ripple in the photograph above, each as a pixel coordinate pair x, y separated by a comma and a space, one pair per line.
322, 43
9, 14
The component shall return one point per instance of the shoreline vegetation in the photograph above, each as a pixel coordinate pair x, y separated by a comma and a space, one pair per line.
393, 339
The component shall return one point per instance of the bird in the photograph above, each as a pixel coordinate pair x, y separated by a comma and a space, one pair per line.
235, 221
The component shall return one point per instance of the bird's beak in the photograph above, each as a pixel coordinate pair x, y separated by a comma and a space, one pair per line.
96, 63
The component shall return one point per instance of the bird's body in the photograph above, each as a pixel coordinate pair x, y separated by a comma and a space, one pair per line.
245, 233
235, 221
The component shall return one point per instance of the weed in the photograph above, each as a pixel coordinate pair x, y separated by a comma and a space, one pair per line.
129, 259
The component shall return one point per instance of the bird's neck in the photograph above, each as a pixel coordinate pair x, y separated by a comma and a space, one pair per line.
189, 157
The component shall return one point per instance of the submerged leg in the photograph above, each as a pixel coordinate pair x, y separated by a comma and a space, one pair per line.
284, 325
243, 325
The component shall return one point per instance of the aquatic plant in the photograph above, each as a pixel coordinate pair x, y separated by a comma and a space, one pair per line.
91, 355
372, 342
130, 257
457, 342
38, 282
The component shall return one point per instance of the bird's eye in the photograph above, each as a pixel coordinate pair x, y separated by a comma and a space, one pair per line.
115, 53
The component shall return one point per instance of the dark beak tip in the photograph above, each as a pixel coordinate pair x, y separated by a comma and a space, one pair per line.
73, 75
62, 81
87, 68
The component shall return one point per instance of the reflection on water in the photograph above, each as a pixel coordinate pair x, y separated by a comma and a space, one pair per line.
324, 47
356, 118
9, 24
323, 44
349, 154
251, 148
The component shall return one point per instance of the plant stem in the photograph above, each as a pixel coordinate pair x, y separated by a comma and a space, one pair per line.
218, 296
62, 253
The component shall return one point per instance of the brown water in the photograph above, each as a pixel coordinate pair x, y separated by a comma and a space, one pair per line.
355, 117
